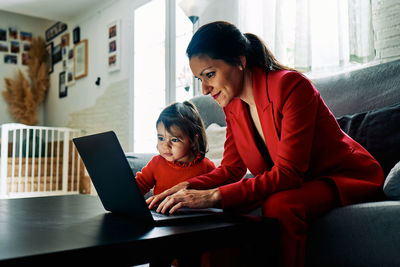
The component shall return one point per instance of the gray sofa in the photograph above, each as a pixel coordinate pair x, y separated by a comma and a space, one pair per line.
366, 104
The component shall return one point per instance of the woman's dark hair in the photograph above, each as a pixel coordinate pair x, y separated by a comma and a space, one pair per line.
224, 41
187, 118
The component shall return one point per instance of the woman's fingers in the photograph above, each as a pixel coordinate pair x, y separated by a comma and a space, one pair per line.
171, 200
156, 199
148, 200
160, 197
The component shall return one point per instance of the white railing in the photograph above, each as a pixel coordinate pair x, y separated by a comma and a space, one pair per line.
38, 161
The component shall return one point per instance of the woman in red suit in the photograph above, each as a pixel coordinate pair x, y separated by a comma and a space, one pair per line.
280, 129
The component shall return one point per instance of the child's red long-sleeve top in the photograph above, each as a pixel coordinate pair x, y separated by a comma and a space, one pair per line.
162, 174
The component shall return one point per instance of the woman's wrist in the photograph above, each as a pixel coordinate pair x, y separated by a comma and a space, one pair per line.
185, 185
216, 198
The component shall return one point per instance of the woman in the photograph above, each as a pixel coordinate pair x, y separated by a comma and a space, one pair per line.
280, 129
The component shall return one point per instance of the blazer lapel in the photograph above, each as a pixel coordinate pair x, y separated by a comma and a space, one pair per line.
265, 111
243, 132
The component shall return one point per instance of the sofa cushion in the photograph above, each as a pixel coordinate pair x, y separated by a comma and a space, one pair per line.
378, 131
138, 160
216, 138
364, 234
391, 188
209, 110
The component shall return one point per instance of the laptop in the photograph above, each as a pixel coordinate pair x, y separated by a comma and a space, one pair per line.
116, 184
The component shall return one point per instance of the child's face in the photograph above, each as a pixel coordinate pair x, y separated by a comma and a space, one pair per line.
174, 145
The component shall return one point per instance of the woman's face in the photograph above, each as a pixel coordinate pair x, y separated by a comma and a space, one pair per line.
174, 145
221, 80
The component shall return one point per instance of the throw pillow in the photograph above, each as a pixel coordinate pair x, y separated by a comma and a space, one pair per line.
391, 188
377, 131
216, 138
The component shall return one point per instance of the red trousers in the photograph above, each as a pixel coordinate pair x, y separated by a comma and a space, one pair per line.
293, 209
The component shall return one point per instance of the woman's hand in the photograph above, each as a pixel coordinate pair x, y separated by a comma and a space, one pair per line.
189, 198
154, 200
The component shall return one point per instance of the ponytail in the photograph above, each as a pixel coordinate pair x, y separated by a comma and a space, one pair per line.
258, 55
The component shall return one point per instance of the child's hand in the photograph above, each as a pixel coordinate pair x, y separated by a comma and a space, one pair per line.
153, 201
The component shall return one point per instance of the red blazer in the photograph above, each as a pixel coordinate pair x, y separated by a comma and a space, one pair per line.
304, 141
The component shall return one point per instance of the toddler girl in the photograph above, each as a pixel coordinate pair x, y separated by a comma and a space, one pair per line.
182, 144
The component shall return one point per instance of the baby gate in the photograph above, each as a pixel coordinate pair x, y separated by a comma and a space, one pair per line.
39, 161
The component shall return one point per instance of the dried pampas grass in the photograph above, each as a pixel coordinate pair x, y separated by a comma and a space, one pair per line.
23, 98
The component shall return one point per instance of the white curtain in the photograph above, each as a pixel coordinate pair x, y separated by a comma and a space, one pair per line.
312, 34
361, 36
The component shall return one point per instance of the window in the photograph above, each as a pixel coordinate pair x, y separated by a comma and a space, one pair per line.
161, 69
313, 35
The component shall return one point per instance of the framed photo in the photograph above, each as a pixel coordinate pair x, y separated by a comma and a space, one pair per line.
70, 56
81, 59
65, 40
25, 36
113, 39
24, 59
3, 47
3, 34
57, 55
15, 46
49, 49
10, 59
27, 47
62, 86
55, 30
13, 33
70, 76
76, 34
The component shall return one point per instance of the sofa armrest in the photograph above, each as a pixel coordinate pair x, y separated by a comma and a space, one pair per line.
138, 160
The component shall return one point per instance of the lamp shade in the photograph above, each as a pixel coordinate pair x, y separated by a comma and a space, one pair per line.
194, 8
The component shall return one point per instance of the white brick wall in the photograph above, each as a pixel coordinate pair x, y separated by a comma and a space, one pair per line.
111, 112
386, 24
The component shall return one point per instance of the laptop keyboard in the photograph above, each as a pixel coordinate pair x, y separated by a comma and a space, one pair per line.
160, 215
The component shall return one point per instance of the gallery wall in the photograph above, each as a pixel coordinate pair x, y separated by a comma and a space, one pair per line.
68, 105
18, 23
80, 107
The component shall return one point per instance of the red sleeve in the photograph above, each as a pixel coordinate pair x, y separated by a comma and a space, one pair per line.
299, 111
231, 169
209, 164
145, 178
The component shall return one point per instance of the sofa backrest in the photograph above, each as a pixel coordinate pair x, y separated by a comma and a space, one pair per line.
209, 110
361, 90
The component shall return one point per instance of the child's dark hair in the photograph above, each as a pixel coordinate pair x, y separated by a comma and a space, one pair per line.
187, 118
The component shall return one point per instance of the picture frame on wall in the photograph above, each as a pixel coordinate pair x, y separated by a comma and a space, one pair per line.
55, 30
70, 76
15, 47
10, 59
3, 47
76, 34
65, 40
62, 86
57, 55
113, 43
12, 33
25, 36
81, 59
49, 49
3, 34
